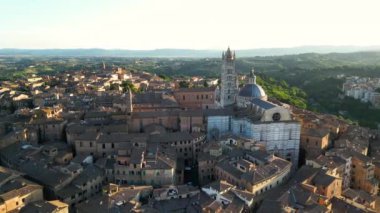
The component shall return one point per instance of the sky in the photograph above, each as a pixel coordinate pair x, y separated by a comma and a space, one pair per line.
190, 24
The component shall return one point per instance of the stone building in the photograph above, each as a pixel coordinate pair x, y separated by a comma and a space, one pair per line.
115, 198
154, 101
141, 168
186, 145
16, 192
228, 198
196, 98
207, 159
362, 171
323, 184
124, 103
253, 171
50, 129
363, 174
268, 124
175, 192
229, 86
336, 166
86, 184
53, 206
315, 139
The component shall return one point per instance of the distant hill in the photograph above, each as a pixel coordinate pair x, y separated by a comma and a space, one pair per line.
172, 53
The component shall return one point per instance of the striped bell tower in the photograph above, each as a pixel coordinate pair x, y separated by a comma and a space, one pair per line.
229, 86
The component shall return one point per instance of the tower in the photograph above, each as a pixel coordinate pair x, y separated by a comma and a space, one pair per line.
128, 101
252, 77
229, 82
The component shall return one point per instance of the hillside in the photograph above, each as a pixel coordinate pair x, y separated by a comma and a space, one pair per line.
189, 53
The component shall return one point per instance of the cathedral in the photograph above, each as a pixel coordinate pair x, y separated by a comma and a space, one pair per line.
248, 113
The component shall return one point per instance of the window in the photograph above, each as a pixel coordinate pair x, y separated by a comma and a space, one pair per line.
104, 146
183, 97
202, 97
276, 116
80, 144
113, 145
90, 144
206, 96
197, 97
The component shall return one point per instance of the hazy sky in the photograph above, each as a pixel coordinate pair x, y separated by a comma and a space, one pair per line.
195, 24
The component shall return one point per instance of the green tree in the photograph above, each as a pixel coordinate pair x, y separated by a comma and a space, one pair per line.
184, 84
114, 86
205, 84
165, 77
128, 85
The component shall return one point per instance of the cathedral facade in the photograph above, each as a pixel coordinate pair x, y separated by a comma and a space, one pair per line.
253, 116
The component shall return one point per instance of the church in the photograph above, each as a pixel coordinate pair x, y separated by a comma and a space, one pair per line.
248, 113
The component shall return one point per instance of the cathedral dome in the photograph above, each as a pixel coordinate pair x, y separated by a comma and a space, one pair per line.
252, 91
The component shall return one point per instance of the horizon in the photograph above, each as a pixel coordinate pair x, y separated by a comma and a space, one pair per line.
187, 53
198, 49
198, 25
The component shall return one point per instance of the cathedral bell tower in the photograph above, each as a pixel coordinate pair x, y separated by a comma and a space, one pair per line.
229, 83
128, 101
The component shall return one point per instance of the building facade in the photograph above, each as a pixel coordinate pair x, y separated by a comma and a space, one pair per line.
196, 98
